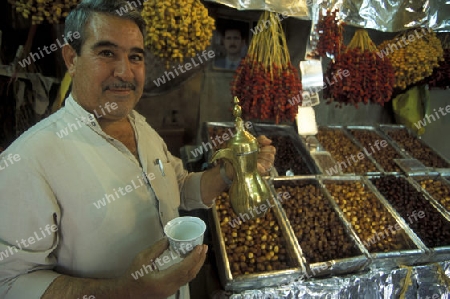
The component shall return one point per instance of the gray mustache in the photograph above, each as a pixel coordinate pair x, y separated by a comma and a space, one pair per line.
124, 85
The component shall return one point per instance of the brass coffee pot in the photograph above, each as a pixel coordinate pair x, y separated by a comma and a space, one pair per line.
248, 190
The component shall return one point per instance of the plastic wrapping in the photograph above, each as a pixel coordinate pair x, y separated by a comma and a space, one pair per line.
382, 15
293, 8
427, 280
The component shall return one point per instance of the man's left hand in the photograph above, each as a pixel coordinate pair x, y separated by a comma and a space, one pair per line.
266, 155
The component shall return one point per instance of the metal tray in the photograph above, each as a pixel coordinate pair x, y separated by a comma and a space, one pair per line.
258, 280
385, 260
312, 144
381, 137
446, 177
415, 180
412, 166
432, 255
387, 128
324, 162
358, 145
336, 266
289, 131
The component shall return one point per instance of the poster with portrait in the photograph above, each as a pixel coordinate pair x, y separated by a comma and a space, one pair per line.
230, 43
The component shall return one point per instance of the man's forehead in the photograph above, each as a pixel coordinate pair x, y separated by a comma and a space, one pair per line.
101, 25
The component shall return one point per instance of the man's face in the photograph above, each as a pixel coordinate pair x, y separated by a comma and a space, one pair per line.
232, 41
111, 66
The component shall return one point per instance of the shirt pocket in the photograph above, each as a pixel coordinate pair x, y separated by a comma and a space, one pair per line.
165, 184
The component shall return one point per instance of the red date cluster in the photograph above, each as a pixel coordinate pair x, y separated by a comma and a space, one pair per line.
370, 78
267, 94
330, 34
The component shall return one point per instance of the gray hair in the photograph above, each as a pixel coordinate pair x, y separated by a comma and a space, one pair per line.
78, 18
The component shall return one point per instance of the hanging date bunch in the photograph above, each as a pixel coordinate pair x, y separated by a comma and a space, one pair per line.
39, 11
441, 75
177, 29
266, 83
330, 34
413, 54
359, 74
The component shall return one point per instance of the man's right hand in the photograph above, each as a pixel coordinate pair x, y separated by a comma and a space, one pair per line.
164, 283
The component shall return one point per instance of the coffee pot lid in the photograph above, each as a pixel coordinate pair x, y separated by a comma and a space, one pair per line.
242, 143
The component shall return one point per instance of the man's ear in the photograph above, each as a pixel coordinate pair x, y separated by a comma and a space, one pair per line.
70, 58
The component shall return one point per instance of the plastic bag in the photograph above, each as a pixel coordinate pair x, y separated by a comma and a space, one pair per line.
410, 108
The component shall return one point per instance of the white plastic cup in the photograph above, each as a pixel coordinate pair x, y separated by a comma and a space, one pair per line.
184, 233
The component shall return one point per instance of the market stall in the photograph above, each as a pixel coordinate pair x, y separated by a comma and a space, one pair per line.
365, 209
353, 191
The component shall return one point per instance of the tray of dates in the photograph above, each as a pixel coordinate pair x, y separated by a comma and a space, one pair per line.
349, 157
326, 240
419, 212
437, 188
253, 253
416, 148
292, 157
382, 149
389, 241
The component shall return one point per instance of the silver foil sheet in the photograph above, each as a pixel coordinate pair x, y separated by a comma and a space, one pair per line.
446, 177
293, 8
410, 282
382, 15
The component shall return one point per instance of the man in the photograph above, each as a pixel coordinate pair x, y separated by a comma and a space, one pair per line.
233, 43
83, 206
